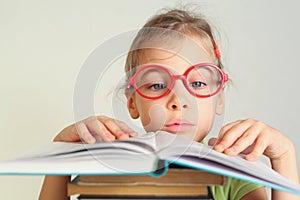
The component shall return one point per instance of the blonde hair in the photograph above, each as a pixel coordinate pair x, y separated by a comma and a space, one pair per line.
181, 21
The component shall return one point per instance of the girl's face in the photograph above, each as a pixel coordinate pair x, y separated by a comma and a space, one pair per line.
178, 112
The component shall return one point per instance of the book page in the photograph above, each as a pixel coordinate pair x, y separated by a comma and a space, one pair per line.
200, 156
133, 155
142, 144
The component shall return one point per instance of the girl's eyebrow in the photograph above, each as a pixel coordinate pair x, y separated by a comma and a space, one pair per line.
149, 70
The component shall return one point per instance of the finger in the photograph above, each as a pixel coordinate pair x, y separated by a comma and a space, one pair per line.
213, 141
244, 141
248, 149
84, 133
127, 129
228, 126
224, 130
115, 127
231, 135
68, 134
99, 130
258, 149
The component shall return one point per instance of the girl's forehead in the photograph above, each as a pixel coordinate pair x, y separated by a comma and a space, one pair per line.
178, 53
176, 61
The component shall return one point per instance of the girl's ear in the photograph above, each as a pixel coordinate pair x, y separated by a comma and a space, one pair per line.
220, 103
131, 106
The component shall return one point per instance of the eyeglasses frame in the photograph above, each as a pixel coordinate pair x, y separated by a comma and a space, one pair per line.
183, 77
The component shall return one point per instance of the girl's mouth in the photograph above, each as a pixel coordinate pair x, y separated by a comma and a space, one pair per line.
178, 125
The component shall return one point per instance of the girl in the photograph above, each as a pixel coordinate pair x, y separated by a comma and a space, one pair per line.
175, 84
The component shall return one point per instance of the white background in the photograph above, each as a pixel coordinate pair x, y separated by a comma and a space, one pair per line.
44, 43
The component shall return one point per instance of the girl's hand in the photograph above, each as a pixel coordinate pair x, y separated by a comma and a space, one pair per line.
96, 128
252, 138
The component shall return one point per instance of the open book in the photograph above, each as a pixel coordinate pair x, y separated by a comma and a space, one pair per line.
148, 154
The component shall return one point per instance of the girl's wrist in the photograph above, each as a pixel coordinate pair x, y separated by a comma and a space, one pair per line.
286, 163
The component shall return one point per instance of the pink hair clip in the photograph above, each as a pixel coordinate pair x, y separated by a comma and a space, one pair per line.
216, 48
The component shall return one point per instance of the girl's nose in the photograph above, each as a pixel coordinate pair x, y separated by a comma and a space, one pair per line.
176, 106
179, 97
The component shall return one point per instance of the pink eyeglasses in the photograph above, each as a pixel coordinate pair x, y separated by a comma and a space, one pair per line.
201, 80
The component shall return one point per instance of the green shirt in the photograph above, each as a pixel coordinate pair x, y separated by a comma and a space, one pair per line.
233, 190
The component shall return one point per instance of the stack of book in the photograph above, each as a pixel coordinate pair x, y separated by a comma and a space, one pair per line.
177, 183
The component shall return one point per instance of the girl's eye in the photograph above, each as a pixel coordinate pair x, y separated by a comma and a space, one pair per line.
157, 86
197, 85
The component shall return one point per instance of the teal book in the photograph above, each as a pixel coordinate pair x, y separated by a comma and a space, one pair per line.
150, 154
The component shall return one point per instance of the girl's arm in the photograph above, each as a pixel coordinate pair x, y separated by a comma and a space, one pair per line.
254, 138
55, 187
90, 130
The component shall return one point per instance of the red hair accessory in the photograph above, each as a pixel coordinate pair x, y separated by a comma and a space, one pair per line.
216, 48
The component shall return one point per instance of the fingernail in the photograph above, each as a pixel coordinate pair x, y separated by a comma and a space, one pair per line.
134, 134
109, 136
232, 149
123, 136
219, 147
91, 140
251, 157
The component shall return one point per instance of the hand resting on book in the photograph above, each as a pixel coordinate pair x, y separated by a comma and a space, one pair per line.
95, 129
